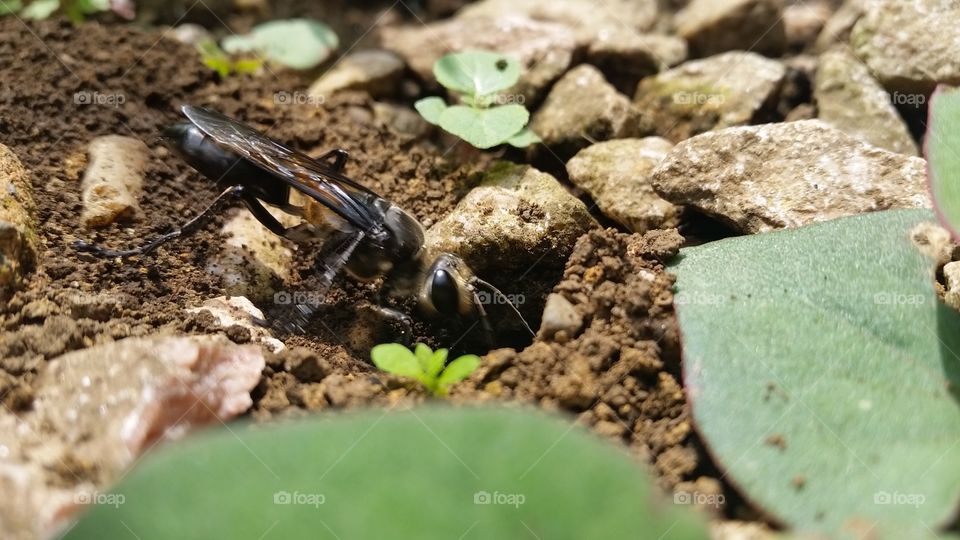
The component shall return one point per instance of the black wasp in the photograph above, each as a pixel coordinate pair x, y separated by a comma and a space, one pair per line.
372, 237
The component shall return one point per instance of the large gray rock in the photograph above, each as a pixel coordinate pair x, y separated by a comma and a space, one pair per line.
729, 89
910, 46
373, 71
587, 18
543, 49
849, 98
617, 175
760, 178
18, 237
715, 26
517, 217
583, 107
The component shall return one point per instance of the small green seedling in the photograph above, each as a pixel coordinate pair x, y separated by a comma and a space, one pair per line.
943, 156
294, 43
424, 365
216, 59
75, 10
479, 77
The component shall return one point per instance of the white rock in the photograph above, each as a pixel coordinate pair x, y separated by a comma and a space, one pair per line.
559, 315
760, 178
113, 180
910, 46
543, 49
617, 175
238, 310
589, 19
376, 72
253, 260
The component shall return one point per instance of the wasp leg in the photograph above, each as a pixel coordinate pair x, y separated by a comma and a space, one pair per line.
402, 319
187, 228
299, 314
338, 158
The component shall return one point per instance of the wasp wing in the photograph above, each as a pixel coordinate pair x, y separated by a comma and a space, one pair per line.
303, 173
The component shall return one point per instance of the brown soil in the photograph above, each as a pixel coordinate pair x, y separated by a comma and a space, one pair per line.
620, 375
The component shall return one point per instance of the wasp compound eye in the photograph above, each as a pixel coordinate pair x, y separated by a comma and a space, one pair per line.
444, 293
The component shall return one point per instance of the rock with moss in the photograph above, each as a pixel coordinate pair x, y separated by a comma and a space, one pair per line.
617, 175
910, 46
849, 98
517, 217
18, 237
716, 26
583, 107
729, 89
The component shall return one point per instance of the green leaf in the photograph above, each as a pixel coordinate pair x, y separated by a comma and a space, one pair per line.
295, 43
430, 108
484, 128
247, 65
397, 359
433, 361
431, 474
943, 155
40, 9
523, 139
476, 73
823, 374
10, 6
458, 370
423, 354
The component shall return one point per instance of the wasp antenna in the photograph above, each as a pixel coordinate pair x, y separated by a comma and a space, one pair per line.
503, 297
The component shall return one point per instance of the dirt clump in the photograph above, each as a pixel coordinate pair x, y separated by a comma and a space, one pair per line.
620, 374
